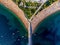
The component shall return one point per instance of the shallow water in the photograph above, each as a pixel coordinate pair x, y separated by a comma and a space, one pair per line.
12, 30
48, 31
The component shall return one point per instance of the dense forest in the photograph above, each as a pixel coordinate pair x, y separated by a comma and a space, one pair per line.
30, 7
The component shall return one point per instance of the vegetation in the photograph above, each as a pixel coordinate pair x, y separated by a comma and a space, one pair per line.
29, 8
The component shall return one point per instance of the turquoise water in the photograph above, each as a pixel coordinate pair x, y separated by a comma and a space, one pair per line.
48, 31
12, 29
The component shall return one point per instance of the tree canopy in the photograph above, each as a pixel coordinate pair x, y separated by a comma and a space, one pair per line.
30, 7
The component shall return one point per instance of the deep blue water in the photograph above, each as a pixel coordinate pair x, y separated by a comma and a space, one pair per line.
48, 31
12, 30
